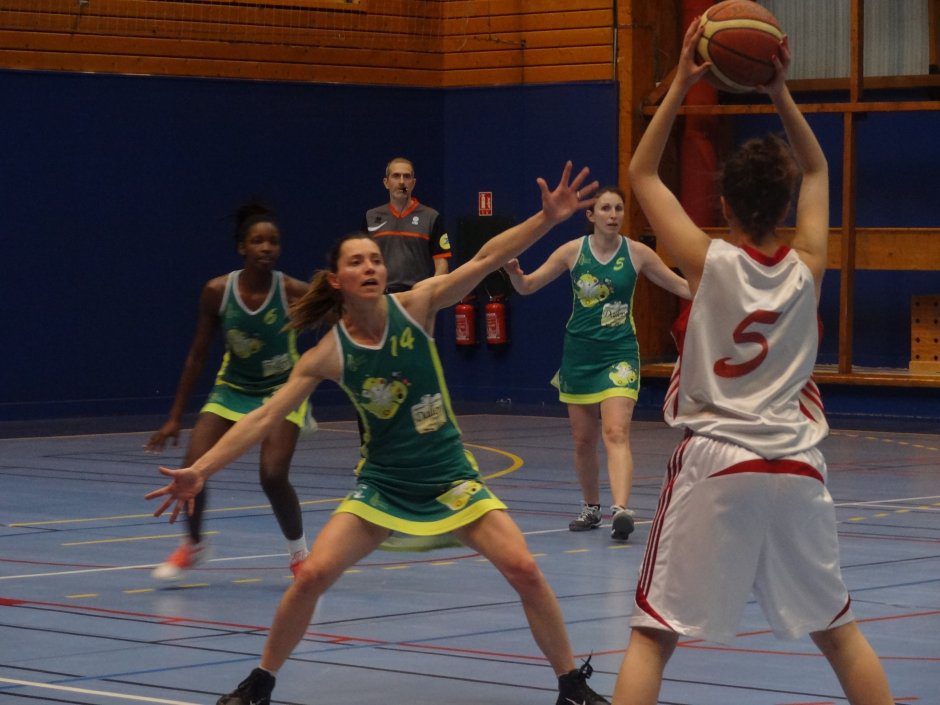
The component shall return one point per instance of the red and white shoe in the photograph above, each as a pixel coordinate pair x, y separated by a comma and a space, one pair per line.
296, 559
187, 556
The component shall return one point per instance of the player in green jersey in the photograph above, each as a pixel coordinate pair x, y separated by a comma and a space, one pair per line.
251, 307
599, 378
414, 475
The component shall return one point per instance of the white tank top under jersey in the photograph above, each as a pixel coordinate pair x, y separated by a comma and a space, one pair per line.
744, 372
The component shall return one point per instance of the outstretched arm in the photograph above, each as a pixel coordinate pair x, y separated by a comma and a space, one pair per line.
557, 205
684, 240
812, 208
561, 260
319, 362
653, 268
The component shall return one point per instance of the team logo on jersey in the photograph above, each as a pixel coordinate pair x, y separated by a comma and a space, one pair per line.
242, 344
591, 291
276, 365
457, 497
428, 414
353, 362
271, 316
383, 396
614, 314
623, 374
414, 220
445, 242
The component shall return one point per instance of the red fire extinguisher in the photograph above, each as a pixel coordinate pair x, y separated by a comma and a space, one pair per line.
496, 332
465, 321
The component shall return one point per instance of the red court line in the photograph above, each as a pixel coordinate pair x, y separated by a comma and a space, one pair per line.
331, 638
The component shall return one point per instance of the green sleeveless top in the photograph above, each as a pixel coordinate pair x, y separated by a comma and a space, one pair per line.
259, 354
411, 441
602, 295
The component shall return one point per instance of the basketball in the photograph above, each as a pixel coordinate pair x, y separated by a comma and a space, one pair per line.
740, 40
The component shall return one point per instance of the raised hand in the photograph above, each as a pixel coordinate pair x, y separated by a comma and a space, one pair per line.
182, 489
688, 71
567, 198
782, 66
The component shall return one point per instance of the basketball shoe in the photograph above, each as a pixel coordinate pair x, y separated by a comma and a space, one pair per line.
189, 555
574, 690
589, 518
254, 690
621, 524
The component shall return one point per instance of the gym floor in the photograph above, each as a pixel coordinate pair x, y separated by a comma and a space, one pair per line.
82, 622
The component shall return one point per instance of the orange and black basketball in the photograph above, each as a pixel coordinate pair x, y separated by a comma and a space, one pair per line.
740, 40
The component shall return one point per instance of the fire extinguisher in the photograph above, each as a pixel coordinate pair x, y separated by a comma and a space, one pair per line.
496, 332
465, 321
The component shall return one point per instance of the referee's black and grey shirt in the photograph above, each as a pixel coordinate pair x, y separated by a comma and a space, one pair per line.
410, 241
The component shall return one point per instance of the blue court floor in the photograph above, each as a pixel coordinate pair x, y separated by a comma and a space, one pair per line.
81, 621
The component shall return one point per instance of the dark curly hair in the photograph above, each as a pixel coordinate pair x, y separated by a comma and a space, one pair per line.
249, 214
758, 182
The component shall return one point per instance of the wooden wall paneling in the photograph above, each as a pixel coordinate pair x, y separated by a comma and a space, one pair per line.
849, 184
933, 19
647, 44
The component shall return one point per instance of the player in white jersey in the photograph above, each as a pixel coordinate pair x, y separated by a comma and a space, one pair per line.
744, 507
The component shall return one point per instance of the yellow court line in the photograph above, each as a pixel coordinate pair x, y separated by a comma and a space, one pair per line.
145, 516
82, 595
130, 538
247, 580
137, 591
517, 462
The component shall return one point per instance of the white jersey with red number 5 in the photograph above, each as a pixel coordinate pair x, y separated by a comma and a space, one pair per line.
745, 368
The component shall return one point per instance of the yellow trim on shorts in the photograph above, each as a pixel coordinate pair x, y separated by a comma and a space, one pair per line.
420, 528
297, 417
597, 397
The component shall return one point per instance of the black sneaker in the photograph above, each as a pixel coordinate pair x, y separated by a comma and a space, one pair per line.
254, 690
574, 690
589, 518
621, 524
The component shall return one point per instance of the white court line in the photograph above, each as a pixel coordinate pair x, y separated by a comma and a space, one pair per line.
128, 567
84, 691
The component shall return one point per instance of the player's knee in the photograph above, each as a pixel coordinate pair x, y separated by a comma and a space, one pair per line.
313, 578
523, 572
273, 478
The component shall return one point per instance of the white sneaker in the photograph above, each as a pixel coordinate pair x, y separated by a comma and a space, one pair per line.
187, 556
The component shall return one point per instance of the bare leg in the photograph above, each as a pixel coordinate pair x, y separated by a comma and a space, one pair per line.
585, 430
209, 428
641, 674
616, 415
344, 540
277, 450
856, 665
496, 536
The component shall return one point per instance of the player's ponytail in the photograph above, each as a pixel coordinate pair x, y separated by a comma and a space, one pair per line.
322, 305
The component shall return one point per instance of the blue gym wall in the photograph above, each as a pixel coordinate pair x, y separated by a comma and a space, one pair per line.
115, 191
